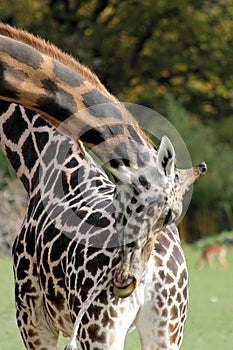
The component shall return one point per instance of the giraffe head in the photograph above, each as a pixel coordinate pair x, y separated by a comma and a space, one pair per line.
146, 200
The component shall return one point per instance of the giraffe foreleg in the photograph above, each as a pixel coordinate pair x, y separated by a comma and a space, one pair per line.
158, 328
104, 325
160, 321
35, 331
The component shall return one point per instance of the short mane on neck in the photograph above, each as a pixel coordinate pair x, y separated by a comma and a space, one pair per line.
52, 51
40, 77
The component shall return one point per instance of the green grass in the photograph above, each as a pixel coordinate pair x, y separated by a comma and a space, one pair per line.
210, 318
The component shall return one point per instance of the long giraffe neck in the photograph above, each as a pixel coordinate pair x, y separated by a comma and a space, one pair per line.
151, 191
32, 145
40, 77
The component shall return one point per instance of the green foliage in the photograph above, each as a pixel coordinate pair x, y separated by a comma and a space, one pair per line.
146, 52
214, 239
144, 48
202, 144
213, 193
6, 170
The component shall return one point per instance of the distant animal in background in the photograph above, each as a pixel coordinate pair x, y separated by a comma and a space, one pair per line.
229, 242
210, 252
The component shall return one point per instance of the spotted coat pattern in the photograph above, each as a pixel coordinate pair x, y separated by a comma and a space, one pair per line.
67, 261
52, 83
67, 248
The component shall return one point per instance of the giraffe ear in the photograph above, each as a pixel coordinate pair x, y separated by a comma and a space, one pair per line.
166, 157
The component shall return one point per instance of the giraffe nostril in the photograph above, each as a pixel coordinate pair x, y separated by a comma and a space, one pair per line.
202, 167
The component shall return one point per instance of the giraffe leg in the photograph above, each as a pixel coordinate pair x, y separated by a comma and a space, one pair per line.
33, 323
102, 338
35, 331
119, 345
160, 321
104, 327
159, 332
151, 335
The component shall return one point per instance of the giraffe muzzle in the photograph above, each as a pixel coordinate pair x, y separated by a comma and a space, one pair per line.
124, 284
200, 169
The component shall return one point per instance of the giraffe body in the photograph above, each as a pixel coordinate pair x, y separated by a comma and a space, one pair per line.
57, 268
93, 259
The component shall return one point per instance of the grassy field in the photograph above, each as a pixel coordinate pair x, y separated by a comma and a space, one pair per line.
210, 318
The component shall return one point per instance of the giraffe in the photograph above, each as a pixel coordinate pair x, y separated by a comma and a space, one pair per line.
42, 78
49, 259
56, 266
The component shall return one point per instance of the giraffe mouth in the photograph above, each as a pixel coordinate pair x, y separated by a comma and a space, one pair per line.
124, 284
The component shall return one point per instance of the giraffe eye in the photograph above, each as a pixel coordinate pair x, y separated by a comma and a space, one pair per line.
143, 181
169, 217
177, 176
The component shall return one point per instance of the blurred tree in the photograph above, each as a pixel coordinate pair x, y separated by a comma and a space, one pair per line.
213, 194
144, 50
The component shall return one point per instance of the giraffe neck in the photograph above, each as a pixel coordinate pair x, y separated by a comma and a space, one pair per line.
30, 143
151, 191
42, 78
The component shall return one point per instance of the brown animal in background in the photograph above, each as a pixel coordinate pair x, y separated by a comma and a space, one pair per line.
215, 250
